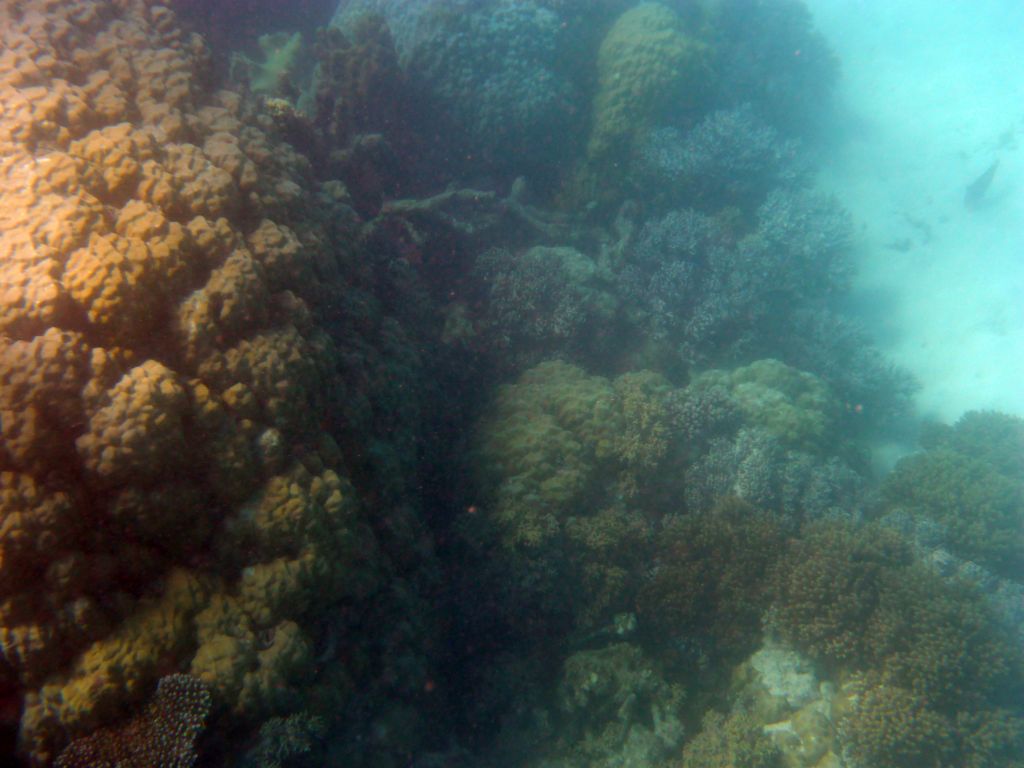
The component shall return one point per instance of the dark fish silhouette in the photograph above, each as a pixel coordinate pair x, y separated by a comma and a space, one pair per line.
976, 189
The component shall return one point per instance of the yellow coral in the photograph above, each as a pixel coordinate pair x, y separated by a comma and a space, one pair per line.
646, 61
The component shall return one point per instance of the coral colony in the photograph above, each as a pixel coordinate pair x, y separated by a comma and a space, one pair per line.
465, 385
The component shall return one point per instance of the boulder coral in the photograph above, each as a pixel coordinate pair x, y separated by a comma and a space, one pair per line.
646, 62
170, 320
564, 462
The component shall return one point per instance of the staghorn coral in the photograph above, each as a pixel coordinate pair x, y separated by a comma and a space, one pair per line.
716, 294
730, 158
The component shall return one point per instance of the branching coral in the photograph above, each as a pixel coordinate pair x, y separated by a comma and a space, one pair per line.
619, 709
706, 593
971, 483
730, 741
934, 660
545, 299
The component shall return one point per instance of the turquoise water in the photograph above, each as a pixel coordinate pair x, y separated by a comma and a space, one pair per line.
933, 95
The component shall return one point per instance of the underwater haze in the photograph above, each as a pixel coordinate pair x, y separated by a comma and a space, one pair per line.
932, 95
511, 384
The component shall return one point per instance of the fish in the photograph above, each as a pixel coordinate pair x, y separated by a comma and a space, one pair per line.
976, 189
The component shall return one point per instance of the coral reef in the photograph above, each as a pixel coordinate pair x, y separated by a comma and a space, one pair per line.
563, 461
756, 42
494, 74
289, 741
728, 741
794, 407
313, 419
730, 158
686, 278
857, 600
546, 300
705, 594
618, 709
647, 63
164, 734
182, 328
970, 483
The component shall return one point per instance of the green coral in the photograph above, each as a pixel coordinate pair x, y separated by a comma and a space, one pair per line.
558, 440
738, 740
565, 462
646, 62
793, 406
971, 482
